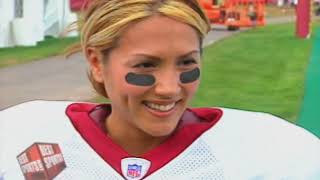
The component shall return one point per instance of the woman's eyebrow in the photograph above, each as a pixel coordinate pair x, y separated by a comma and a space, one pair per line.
151, 57
147, 56
194, 52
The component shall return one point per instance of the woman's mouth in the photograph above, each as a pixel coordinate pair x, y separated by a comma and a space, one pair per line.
160, 107
160, 110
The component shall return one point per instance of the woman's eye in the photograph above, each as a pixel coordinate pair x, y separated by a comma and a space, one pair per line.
188, 62
145, 65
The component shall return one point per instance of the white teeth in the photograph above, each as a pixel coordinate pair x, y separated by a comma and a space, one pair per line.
160, 107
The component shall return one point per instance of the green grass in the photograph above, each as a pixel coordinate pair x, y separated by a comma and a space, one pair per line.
259, 70
49, 47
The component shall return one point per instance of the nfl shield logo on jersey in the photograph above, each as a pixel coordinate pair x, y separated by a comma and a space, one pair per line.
134, 168
134, 171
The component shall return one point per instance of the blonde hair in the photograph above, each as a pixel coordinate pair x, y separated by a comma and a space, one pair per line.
105, 20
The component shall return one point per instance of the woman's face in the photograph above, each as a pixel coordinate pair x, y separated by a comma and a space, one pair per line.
151, 75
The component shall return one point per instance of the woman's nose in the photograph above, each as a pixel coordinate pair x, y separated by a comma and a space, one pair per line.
168, 84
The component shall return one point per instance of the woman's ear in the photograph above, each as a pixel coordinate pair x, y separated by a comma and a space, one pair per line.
95, 60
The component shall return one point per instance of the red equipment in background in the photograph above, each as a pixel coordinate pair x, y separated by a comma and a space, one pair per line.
235, 13
77, 5
231, 13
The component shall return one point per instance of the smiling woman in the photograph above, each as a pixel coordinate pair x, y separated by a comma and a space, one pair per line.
145, 56
143, 109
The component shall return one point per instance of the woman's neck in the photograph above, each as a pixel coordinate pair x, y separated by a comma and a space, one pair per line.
132, 140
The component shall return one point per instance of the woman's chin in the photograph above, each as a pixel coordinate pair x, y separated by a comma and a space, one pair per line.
163, 131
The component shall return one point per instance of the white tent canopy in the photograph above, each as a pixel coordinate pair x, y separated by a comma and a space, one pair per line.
26, 22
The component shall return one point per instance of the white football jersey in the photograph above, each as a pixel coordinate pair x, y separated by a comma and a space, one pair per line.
39, 141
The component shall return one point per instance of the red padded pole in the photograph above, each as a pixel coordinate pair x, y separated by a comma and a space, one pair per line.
303, 19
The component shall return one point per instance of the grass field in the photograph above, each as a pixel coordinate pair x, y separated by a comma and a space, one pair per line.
49, 47
260, 70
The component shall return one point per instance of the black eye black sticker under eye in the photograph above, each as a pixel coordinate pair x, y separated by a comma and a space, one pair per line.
190, 76
140, 79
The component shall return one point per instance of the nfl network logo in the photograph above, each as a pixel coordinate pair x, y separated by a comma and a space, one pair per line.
134, 171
